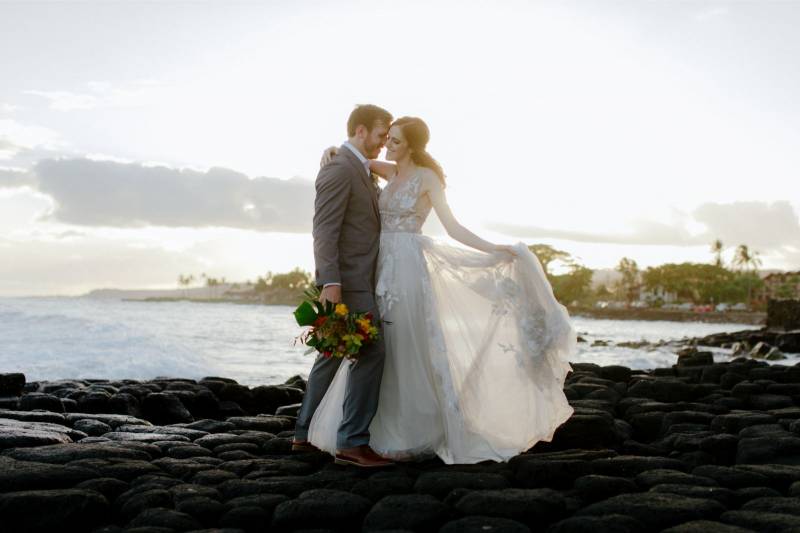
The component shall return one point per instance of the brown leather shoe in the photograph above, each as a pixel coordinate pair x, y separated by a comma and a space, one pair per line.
303, 446
362, 456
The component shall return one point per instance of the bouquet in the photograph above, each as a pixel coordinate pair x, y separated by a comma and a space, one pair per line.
333, 330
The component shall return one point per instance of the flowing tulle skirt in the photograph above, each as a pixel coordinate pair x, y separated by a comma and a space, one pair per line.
477, 353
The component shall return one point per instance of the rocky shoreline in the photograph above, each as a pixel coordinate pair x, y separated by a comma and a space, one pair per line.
698, 446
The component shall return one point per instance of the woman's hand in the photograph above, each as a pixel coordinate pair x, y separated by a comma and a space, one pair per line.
327, 155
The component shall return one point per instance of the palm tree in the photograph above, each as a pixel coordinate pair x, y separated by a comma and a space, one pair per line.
716, 248
744, 259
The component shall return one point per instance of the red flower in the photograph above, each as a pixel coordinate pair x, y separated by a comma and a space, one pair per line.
327, 354
368, 316
320, 320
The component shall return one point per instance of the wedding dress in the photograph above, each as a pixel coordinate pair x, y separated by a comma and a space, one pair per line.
477, 347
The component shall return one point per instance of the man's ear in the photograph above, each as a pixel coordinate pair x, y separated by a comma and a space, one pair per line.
361, 131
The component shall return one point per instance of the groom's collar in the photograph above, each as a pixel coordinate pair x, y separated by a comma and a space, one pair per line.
364, 161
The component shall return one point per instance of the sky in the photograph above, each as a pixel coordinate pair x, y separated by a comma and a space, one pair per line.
144, 140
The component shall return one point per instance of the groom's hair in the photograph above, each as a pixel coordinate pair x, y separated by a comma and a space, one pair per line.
368, 115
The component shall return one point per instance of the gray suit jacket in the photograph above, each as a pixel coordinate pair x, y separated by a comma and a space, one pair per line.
347, 224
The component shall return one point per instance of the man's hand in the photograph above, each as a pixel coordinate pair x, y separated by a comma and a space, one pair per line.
331, 293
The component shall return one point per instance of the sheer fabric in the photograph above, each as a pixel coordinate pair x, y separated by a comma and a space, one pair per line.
477, 347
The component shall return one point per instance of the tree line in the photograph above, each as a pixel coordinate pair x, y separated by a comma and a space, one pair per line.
698, 283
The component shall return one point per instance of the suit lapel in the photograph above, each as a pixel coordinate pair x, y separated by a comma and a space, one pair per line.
365, 178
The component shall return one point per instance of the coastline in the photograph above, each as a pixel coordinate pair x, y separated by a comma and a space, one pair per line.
754, 318
699, 445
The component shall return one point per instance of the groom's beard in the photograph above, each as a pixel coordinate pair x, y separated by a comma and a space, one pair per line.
372, 151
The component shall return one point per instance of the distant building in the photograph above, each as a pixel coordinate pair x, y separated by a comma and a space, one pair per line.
780, 286
658, 294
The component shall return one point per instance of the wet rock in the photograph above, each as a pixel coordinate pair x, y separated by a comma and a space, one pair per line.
726, 497
163, 408
51, 510
190, 434
211, 426
656, 510
596, 487
17, 433
166, 518
64, 453
765, 402
134, 501
185, 452
269, 424
113, 420
288, 410
705, 526
780, 476
658, 476
322, 508
771, 449
109, 487
781, 505
213, 477
731, 477
534, 472
662, 390
631, 465
530, 506
408, 511
483, 524
735, 421
761, 521
27, 475
246, 518
144, 437
94, 428
439, 484
206, 510
613, 523
12, 384
38, 400
383, 484
124, 404
587, 431
94, 402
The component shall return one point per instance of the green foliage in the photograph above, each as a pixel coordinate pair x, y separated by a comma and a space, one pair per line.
629, 284
701, 283
547, 254
574, 286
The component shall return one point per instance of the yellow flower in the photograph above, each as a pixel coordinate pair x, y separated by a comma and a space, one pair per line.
341, 309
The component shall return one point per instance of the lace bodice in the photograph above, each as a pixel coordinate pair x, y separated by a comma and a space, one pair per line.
402, 207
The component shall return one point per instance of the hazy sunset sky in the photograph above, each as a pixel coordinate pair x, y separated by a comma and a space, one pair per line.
141, 140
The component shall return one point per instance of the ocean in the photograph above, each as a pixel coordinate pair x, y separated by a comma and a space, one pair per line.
68, 338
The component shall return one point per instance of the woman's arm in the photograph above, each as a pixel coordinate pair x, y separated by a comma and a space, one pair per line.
383, 169
435, 190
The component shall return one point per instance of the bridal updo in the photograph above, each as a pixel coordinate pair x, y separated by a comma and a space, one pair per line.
417, 135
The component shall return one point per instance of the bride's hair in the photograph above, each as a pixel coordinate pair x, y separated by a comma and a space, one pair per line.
417, 135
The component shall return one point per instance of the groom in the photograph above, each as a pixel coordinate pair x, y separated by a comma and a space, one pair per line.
346, 234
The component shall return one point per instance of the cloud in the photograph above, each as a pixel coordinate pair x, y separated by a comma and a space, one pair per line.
109, 193
11, 177
758, 224
761, 225
103, 95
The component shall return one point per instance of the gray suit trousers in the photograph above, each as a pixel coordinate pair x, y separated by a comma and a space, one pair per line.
363, 383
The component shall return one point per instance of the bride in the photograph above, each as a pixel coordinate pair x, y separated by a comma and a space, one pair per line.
477, 347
